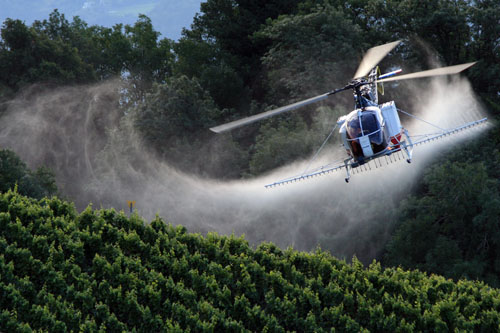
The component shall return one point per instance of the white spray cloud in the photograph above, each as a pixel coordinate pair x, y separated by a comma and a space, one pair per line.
76, 132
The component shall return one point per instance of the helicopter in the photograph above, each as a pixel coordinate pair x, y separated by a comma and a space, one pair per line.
372, 130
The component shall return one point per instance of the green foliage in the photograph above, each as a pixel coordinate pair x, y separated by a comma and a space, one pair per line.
174, 120
62, 52
308, 51
214, 69
149, 60
275, 146
442, 24
100, 270
289, 138
174, 108
28, 57
485, 30
452, 227
231, 23
106, 49
15, 173
219, 49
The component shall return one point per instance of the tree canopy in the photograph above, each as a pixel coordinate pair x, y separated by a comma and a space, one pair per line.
15, 174
100, 270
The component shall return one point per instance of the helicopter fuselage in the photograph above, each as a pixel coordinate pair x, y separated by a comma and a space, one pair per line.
370, 130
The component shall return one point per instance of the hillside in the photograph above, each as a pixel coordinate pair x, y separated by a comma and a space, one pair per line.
100, 270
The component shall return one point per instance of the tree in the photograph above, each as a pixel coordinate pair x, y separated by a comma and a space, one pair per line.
452, 227
62, 52
308, 51
275, 146
106, 49
150, 60
485, 18
224, 29
173, 109
174, 119
442, 24
28, 57
215, 69
14, 172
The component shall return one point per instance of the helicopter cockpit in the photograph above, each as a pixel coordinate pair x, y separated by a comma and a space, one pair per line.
364, 132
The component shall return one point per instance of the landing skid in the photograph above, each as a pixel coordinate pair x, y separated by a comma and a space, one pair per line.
347, 166
408, 147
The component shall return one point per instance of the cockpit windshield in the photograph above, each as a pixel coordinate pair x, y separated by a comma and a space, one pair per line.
366, 123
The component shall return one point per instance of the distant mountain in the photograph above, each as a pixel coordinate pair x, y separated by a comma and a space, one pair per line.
168, 17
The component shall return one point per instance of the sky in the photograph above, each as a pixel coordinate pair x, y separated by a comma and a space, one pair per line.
168, 16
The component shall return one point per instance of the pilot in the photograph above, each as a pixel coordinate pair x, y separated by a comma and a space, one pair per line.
353, 132
353, 128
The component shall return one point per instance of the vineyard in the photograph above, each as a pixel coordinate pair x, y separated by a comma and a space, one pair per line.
103, 271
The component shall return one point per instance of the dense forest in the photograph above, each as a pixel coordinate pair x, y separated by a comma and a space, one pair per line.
83, 108
102, 271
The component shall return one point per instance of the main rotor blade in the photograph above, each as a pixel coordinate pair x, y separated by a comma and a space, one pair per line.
372, 58
431, 72
267, 114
